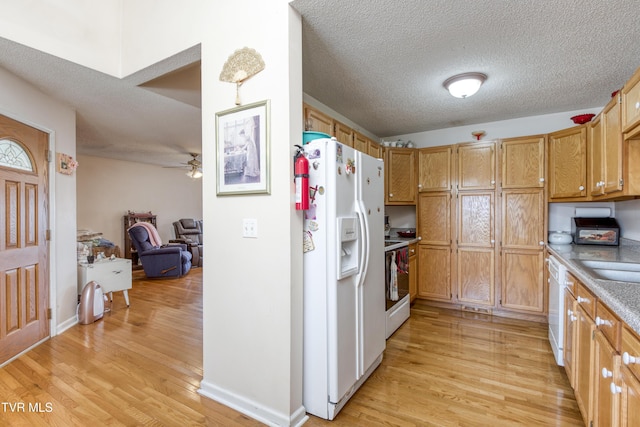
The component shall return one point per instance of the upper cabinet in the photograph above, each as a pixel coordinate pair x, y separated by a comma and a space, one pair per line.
631, 102
523, 162
434, 169
568, 164
477, 166
344, 134
317, 121
605, 151
400, 178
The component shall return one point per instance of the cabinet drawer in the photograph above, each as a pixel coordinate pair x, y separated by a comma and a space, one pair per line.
609, 324
630, 350
586, 299
631, 102
571, 283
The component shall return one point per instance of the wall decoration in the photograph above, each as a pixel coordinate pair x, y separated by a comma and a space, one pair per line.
65, 164
242, 147
241, 65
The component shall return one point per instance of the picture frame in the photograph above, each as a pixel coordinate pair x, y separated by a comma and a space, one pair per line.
65, 164
243, 150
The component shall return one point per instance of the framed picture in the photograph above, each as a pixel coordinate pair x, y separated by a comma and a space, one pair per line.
65, 164
242, 138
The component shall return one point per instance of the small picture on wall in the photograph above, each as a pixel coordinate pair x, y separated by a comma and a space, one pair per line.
66, 164
242, 136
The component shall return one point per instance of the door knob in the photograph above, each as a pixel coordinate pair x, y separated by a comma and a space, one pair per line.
581, 188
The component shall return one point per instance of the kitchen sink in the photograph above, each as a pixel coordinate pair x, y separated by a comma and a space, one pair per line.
611, 270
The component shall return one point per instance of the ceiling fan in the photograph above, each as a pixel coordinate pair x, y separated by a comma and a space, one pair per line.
194, 165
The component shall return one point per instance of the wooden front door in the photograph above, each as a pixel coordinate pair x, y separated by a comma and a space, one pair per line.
24, 277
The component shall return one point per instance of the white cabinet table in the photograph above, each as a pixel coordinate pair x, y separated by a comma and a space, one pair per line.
113, 275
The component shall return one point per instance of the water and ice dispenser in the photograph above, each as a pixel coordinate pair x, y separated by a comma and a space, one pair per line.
348, 256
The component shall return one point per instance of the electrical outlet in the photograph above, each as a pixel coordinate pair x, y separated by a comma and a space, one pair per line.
250, 228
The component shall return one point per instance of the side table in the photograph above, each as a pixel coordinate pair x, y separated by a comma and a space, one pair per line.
113, 275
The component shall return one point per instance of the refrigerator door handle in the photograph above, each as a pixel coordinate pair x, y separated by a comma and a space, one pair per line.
364, 243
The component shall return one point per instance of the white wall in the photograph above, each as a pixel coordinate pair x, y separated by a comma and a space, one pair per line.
23, 102
88, 33
524, 126
253, 292
628, 216
107, 189
169, 28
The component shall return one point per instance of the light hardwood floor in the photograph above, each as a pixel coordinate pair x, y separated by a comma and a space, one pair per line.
143, 365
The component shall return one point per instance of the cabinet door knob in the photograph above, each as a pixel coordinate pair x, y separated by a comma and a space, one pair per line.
601, 321
419, 185
606, 373
615, 389
581, 188
541, 179
541, 242
390, 194
493, 182
581, 300
627, 359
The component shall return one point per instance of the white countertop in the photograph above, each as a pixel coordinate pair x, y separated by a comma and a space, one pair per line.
621, 297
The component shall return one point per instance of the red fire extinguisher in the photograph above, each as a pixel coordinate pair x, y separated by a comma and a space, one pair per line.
301, 174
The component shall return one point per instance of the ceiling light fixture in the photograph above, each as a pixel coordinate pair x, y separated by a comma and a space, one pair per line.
194, 173
464, 85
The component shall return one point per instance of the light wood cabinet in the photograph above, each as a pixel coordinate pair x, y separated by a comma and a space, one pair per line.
400, 177
568, 164
476, 166
606, 405
629, 379
374, 150
317, 121
570, 326
523, 227
343, 133
475, 243
413, 271
523, 162
605, 151
434, 272
435, 169
434, 219
631, 102
584, 348
629, 399
360, 142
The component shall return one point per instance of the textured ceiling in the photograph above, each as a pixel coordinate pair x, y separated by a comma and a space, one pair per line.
381, 63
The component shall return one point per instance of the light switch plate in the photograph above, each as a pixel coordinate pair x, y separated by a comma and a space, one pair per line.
250, 228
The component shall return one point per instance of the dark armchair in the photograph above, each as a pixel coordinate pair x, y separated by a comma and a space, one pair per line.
164, 261
189, 232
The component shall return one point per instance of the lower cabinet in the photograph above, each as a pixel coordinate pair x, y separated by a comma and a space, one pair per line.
434, 273
413, 271
602, 360
583, 363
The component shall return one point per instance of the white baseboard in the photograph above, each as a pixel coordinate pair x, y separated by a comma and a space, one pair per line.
251, 408
66, 325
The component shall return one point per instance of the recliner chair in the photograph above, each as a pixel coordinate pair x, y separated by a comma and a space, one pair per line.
189, 231
173, 260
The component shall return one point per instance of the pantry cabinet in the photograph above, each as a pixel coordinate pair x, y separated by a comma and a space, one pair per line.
523, 162
523, 229
435, 169
568, 164
399, 176
475, 243
476, 166
434, 272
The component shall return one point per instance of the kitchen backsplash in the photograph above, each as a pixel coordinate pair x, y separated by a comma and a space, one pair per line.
401, 216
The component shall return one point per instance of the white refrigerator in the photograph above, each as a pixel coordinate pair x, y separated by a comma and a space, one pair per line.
344, 301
